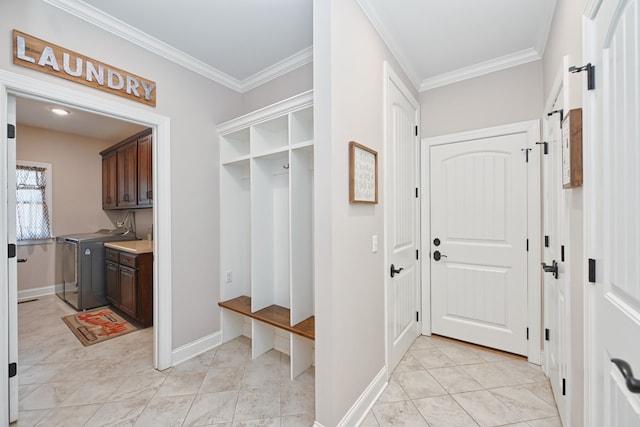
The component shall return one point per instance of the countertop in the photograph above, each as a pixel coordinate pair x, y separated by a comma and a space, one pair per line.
132, 246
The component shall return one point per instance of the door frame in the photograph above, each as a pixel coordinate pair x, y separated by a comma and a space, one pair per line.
23, 86
534, 224
390, 77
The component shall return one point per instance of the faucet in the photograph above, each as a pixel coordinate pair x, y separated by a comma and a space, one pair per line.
128, 221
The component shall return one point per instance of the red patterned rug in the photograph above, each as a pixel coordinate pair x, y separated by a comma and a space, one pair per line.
97, 325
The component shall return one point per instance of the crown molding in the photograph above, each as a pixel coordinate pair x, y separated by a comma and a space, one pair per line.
133, 35
278, 69
386, 37
480, 69
591, 8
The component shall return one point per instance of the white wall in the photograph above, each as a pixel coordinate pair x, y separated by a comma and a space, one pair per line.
350, 329
295, 82
195, 105
565, 38
503, 97
76, 191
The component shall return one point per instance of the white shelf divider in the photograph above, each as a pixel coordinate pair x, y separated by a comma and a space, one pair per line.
302, 290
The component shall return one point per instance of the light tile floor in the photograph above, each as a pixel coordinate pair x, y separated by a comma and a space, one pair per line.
442, 382
438, 383
63, 383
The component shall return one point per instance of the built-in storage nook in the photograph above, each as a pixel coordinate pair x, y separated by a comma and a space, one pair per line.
266, 168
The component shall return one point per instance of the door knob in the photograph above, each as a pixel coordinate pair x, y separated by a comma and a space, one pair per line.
633, 384
437, 255
394, 271
553, 268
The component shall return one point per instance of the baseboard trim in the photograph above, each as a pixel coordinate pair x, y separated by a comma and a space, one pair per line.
365, 402
194, 348
27, 294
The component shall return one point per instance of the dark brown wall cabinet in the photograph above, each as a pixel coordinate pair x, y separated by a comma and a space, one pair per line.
127, 173
109, 180
130, 284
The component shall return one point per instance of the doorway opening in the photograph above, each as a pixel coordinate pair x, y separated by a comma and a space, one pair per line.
14, 85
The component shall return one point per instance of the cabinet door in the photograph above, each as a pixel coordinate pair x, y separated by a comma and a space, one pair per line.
109, 171
145, 171
127, 174
128, 288
113, 288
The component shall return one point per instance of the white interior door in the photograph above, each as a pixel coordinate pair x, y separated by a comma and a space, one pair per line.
478, 241
555, 301
401, 220
12, 282
612, 231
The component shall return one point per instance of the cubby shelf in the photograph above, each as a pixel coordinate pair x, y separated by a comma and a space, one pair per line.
274, 315
266, 229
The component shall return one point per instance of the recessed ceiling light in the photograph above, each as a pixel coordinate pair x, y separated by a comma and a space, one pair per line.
60, 111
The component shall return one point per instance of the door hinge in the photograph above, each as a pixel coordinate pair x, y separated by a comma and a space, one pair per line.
592, 270
417, 316
562, 253
416, 130
545, 146
546, 241
11, 131
527, 334
526, 154
546, 334
417, 192
13, 369
561, 111
417, 254
527, 245
564, 386
12, 250
591, 74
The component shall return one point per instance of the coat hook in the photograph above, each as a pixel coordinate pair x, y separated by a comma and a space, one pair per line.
286, 166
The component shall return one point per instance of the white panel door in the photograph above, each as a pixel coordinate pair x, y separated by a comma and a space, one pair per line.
555, 301
612, 191
12, 282
401, 221
478, 241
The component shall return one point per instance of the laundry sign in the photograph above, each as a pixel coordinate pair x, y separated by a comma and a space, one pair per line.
37, 54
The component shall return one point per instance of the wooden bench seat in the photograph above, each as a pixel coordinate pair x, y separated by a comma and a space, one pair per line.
274, 315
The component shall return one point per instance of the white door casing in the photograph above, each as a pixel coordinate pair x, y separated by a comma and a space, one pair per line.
12, 282
469, 217
402, 237
612, 211
554, 295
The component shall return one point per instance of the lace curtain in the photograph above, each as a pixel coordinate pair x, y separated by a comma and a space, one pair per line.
32, 213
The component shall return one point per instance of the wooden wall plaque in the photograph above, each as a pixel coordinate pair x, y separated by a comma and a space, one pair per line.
48, 58
363, 174
572, 149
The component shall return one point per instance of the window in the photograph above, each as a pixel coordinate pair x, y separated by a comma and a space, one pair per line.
33, 188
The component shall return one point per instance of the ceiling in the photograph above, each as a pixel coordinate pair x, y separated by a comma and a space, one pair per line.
38, 113
245, 43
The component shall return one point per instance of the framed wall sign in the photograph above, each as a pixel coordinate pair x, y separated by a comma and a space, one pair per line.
363, 174
572, 149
